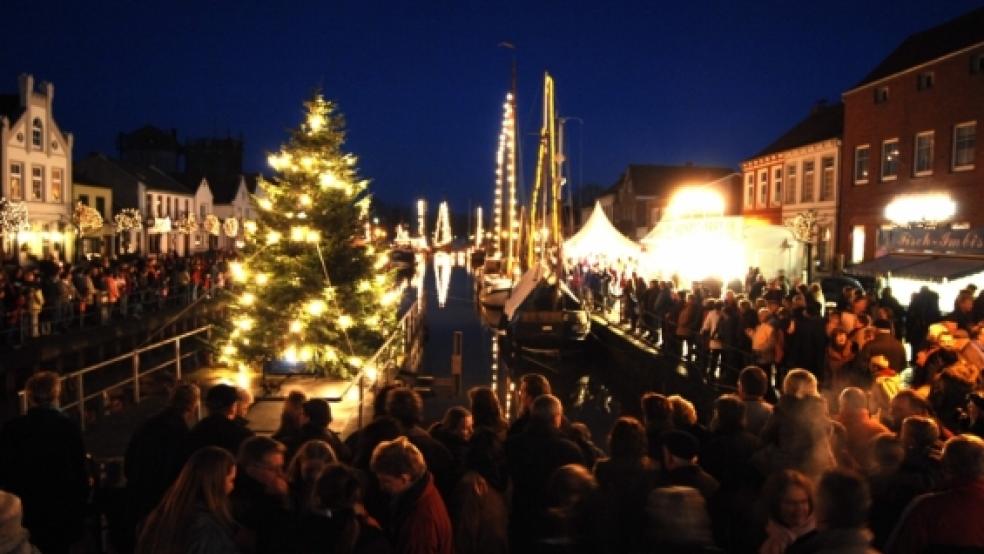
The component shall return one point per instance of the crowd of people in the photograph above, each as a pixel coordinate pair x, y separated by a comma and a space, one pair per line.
791, 476
52, 297
832, 439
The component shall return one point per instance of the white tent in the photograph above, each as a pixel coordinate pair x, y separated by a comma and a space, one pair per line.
598, 238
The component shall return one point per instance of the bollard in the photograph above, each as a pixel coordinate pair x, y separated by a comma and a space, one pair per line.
456, 351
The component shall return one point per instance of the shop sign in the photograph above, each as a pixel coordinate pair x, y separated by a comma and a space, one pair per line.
934, 241
160, 225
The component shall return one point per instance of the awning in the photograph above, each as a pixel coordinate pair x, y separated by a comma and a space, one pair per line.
890, 263
942, 267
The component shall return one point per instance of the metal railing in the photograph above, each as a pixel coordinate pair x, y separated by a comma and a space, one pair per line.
400, 350
77, 378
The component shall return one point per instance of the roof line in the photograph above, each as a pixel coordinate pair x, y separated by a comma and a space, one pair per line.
913, 68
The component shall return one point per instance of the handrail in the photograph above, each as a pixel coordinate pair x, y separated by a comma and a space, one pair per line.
134, 355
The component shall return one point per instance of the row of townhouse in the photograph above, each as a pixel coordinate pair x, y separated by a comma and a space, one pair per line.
37, 169
894, 170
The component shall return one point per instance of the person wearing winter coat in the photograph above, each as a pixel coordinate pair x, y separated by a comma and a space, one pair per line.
418, 522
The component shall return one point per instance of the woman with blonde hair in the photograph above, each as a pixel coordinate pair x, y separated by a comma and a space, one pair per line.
194, 516
305, 469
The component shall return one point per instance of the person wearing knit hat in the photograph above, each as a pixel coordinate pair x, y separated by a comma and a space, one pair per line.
680, 451
14, 539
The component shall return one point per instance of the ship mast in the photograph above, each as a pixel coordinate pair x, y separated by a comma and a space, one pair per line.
544, 221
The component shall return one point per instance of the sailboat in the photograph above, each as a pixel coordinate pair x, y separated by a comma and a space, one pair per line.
499, 268
542, 314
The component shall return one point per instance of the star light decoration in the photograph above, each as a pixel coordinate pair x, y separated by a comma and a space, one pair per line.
212, 225
128, 219
13, 216
310, 292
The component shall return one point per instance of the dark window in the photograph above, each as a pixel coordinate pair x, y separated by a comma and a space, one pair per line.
881, 95
36, 133
101, 206
925, 80
84, 199
977, 63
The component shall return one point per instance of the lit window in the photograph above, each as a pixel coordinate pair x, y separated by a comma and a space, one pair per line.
924, 154
37, 134
17, 181
776, 186
57, 178
763, 188
857, 244
790, 184
964, 142
881, 95
750, 191
827, 178
925, 80
861, 155
808, 171
890, 160
37, 183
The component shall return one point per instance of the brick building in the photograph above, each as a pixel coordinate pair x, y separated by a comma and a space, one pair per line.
912, 181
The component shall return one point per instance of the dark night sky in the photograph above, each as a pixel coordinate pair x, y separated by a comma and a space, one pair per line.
422, 83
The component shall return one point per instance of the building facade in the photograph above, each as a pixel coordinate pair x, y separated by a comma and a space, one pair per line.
100, 197
35, 168
911, 173
162, 201
797, 174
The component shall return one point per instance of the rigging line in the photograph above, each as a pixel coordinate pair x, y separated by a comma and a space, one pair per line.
324, 268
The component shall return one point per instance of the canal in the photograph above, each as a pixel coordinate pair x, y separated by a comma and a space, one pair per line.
596, 384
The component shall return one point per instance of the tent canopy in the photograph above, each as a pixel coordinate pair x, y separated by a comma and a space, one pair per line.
598, 237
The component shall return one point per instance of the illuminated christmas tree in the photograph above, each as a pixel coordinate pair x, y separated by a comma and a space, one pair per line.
310, 293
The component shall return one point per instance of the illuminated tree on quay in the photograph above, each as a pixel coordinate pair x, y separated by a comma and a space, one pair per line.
309, 291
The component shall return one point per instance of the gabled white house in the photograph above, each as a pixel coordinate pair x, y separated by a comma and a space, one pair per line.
36, 168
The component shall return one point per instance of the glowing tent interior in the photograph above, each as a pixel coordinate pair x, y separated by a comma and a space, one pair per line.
599, 240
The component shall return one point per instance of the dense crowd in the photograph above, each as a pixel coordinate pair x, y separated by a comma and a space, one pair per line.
830, 443
785, 477
51, 297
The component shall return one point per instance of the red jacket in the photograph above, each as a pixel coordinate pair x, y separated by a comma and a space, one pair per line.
949, 518
421, 524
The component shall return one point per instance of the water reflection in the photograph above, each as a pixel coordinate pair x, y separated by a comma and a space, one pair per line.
443, 265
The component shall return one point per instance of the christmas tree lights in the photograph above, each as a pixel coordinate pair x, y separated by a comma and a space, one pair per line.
310, 291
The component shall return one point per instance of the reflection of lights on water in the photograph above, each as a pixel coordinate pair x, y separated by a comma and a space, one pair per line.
442, 277
494, 366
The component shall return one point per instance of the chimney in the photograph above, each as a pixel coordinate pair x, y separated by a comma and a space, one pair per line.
26, 82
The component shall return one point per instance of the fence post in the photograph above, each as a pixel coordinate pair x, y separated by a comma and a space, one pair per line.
361, 398
177, 357
136, 377
79, 379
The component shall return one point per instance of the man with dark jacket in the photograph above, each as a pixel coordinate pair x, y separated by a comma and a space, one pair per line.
531, 386
884, 344
154, 456
948, 521
42, 460
531, 458
418, 521
406, 406
680, 451
315, 418
843, 501
219, 428
259, 499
